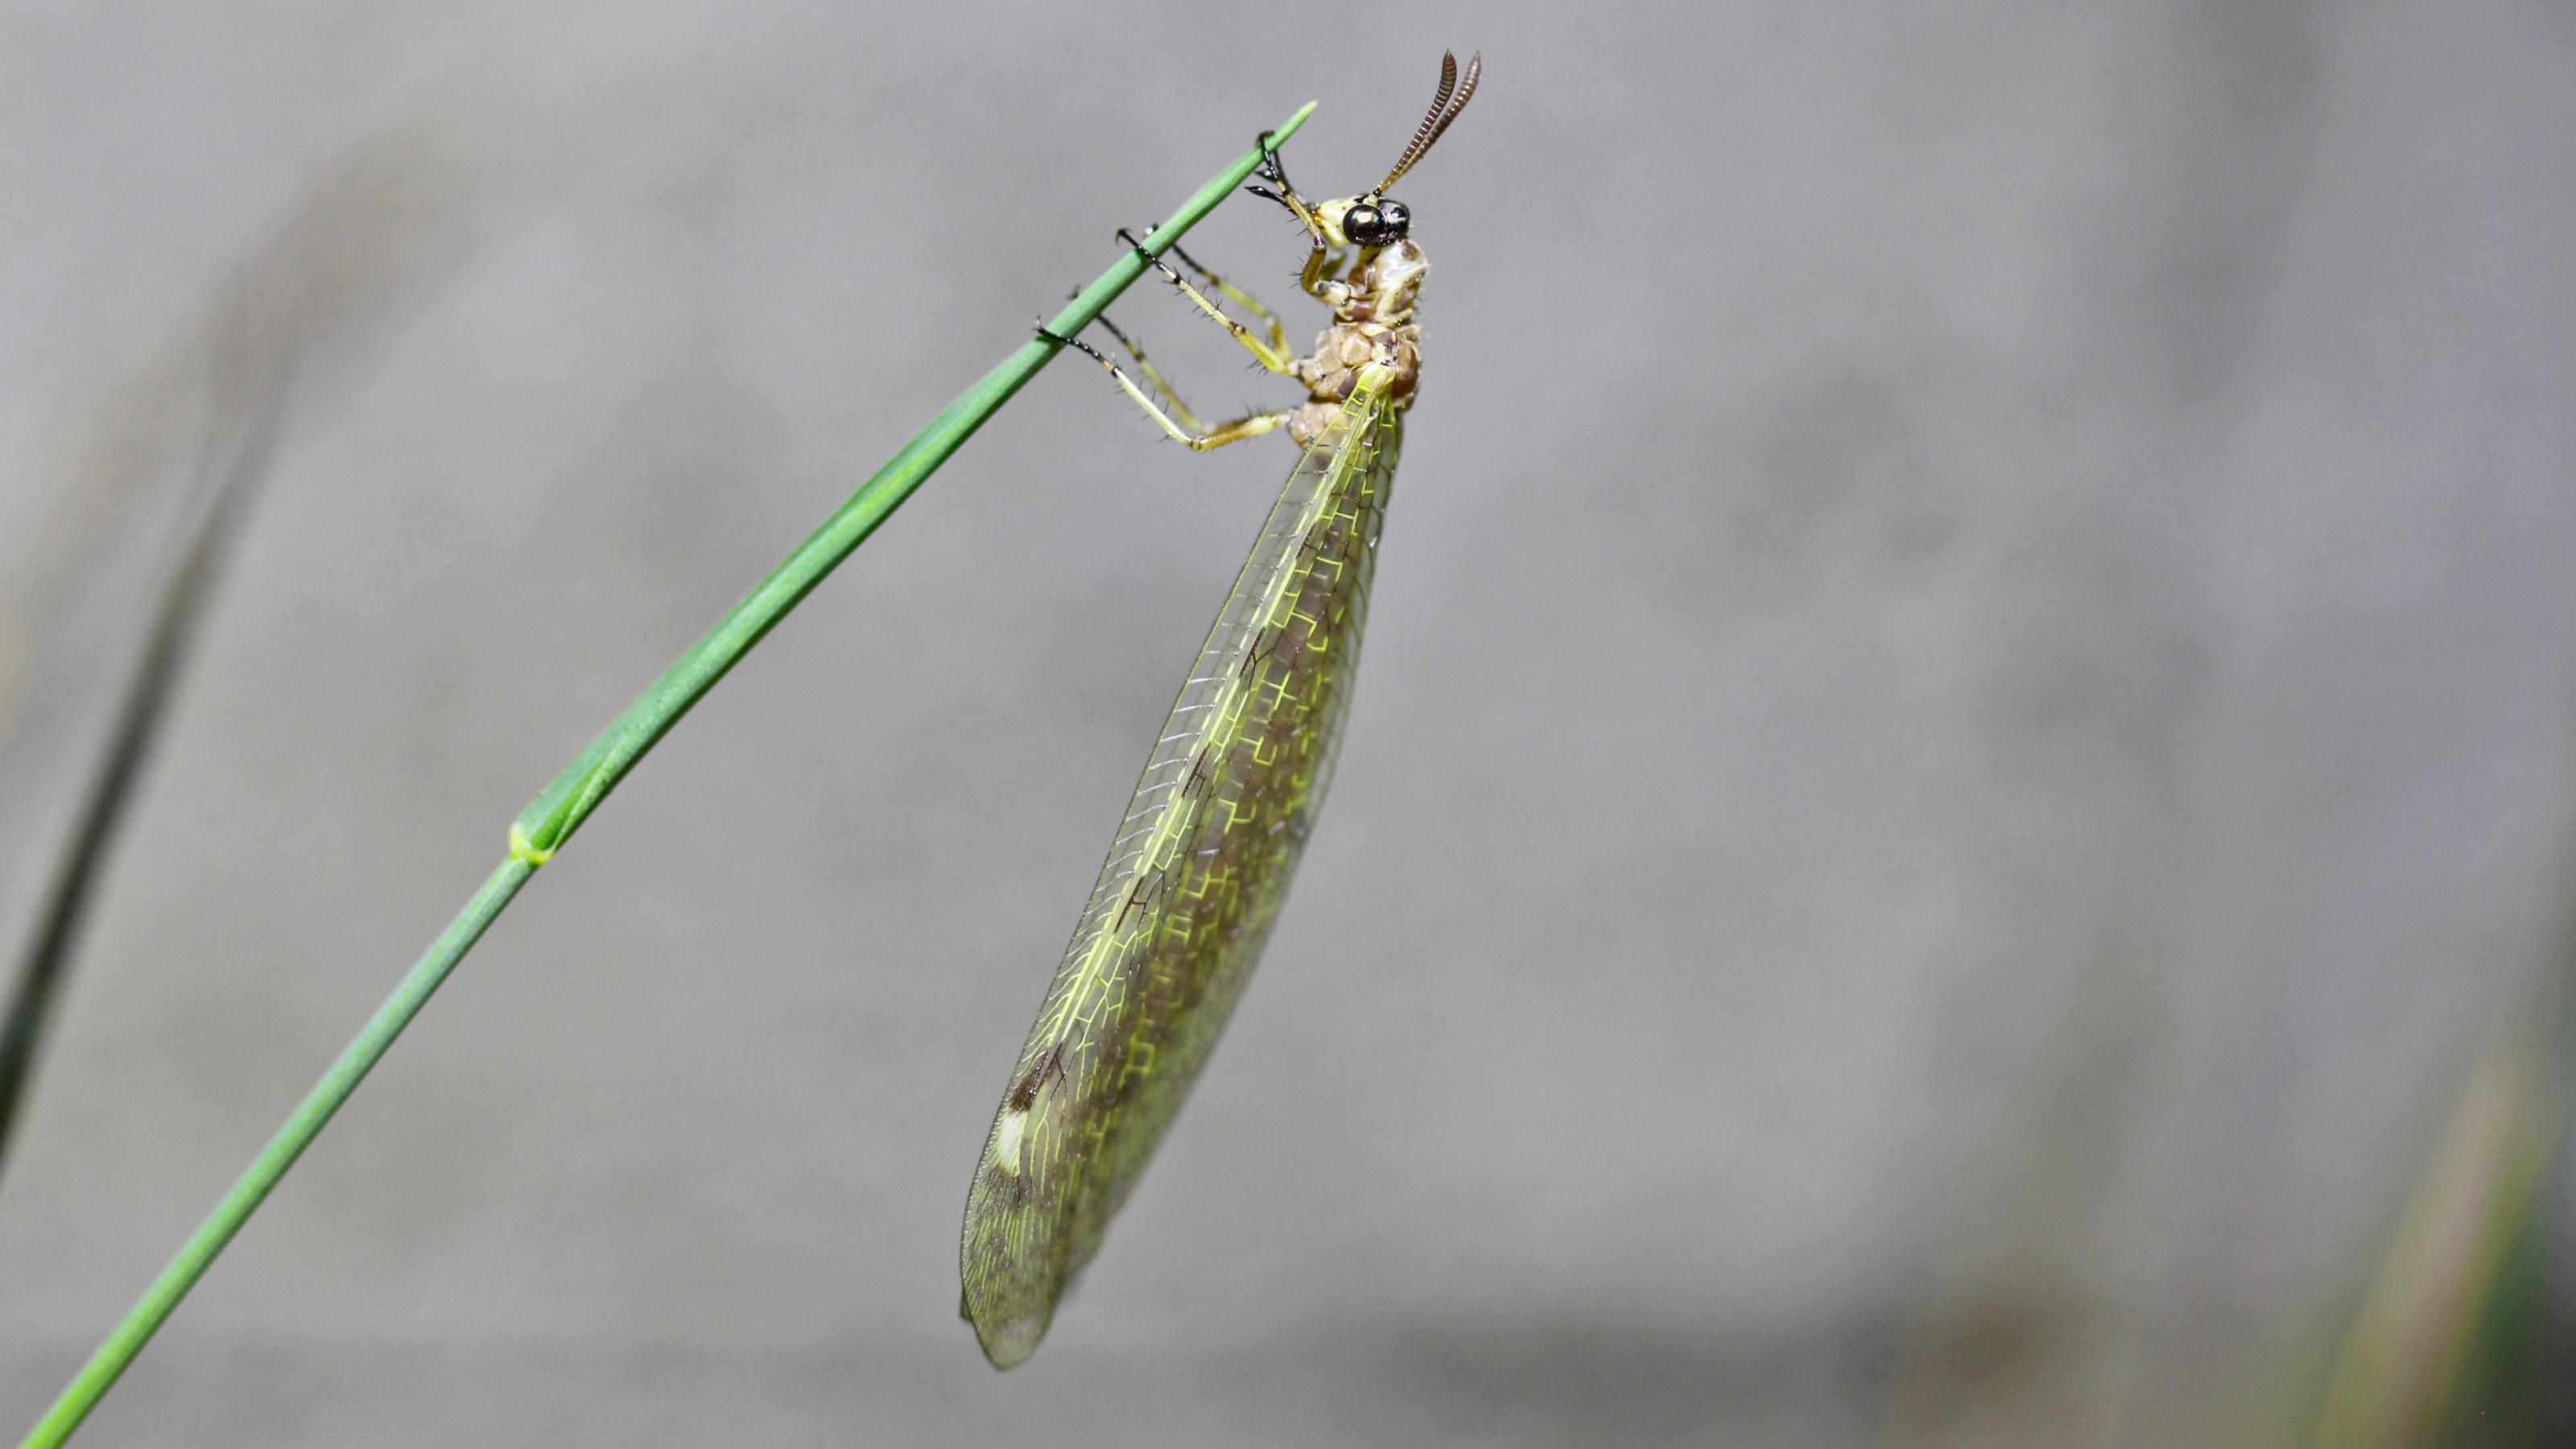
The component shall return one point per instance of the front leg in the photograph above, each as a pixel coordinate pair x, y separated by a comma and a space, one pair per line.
1322, 285
1286, 195
1317, 280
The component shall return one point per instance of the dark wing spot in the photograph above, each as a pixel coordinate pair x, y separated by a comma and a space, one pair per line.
1025, 1095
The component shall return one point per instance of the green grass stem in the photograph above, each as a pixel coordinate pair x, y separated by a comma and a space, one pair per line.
556, 813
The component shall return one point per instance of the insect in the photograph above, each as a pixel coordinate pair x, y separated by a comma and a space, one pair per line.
1202, 861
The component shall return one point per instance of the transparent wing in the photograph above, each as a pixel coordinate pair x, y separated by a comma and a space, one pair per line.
1192, 884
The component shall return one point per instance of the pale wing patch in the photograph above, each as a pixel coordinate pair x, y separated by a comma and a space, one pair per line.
1008, 1134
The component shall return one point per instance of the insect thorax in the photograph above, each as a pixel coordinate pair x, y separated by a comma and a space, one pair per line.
1373, 322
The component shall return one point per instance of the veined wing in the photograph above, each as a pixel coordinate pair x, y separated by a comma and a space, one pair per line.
1187, 897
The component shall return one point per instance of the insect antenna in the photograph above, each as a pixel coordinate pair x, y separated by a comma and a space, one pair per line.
1444, 109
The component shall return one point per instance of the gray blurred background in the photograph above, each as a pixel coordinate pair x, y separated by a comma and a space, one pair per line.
1966, 728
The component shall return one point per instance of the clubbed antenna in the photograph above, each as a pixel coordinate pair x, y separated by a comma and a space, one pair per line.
1444, 109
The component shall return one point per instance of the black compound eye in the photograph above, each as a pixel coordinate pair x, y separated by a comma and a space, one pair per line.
1376, 223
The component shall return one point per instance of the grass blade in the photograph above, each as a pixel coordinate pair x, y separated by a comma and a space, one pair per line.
204, 541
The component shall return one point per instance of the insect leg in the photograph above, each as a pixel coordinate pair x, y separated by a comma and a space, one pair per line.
1317, 279
1320, 282
1154, 379
1274, 356
1286, 195
1251, 426
1217, 437
1236, 295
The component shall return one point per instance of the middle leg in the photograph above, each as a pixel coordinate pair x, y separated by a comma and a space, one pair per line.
1271, 354
1241, 298
1194, 436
